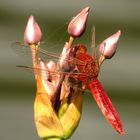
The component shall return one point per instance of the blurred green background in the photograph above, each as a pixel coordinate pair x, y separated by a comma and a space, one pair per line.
120, 76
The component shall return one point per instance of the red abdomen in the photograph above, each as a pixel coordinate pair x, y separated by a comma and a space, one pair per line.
106, 105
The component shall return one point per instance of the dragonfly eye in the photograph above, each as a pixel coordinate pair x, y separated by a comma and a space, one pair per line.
81, 48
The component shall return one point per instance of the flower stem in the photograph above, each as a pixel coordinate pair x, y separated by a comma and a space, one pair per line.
70, 41
53, 139
101, 59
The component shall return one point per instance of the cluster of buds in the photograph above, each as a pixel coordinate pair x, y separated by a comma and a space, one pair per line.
58, 102
55, 117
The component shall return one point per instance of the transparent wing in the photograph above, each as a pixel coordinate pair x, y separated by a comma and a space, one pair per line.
56, 74
50, 76
46, 56
24, 51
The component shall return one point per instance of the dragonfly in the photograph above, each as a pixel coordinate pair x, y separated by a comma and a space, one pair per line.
75, 62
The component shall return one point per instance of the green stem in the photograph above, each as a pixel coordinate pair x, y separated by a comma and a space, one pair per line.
53, 139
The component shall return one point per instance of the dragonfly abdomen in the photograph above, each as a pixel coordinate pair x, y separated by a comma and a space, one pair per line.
106, 105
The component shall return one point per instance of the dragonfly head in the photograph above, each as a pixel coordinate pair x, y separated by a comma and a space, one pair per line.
81, 48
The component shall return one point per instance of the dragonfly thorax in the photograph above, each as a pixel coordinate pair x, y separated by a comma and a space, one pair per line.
89, 65
91, 69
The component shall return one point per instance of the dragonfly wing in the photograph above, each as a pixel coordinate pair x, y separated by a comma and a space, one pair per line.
25, 51
46, 74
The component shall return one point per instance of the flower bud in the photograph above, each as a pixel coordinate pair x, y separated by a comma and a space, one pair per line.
108, 47
77, 25
66, 55
63, 64
44, 76
33, 32
51, 66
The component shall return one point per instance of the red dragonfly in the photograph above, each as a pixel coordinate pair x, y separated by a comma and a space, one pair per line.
77, 63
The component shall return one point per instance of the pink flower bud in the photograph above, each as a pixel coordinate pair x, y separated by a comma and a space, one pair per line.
108, 47
64, 63
66, 57
45, 75
51, 66
77, 25
33, 32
